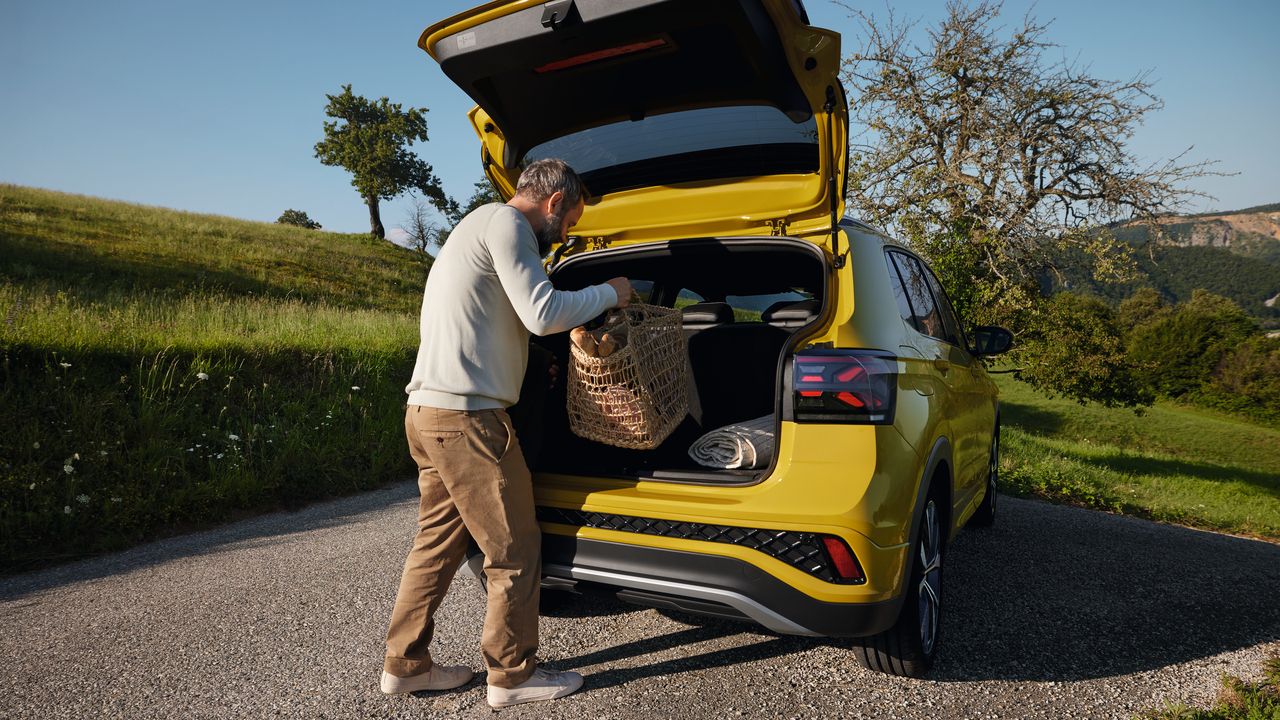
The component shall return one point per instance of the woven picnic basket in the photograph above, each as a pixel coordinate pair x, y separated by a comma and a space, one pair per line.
635, 397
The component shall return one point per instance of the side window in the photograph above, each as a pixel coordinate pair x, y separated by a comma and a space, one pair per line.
924, 311
899, 293
687, 297
643, 288
949, 319
749, 308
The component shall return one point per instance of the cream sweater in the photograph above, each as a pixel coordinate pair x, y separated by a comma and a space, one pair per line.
486, 292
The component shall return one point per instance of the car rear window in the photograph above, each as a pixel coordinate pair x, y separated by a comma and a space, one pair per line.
702, 144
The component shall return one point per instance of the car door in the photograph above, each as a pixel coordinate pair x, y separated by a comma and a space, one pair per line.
975, 412
938, 341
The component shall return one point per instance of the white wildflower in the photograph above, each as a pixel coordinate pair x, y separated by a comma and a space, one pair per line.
36, 444
66, 509
202, 376
355, 387
65, 365
103, 453
218, 456
75, 456
68, 469
233, 437
82, 499
33, 486
115, 499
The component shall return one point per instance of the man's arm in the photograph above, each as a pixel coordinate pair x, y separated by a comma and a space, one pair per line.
542, 308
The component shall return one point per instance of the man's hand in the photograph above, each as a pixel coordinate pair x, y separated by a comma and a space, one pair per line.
622, 286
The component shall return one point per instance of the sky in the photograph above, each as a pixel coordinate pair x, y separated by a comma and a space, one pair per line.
216, 106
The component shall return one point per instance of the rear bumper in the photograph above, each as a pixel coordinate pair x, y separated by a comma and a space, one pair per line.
703, 584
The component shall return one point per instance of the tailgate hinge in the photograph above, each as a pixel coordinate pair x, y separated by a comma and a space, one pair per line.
777, 226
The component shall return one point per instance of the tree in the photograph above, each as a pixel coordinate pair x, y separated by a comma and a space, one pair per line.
299, 218
996, 162
371, 140
1181, 350
423, 230
1073, 347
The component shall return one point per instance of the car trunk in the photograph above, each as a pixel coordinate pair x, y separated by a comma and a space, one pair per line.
744, 302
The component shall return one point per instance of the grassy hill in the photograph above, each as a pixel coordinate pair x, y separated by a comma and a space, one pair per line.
1171, 462
162, 369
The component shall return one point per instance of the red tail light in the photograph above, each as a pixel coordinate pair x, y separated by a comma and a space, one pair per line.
844, 386
847, 567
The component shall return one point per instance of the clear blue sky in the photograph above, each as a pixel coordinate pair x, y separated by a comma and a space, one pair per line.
215, 106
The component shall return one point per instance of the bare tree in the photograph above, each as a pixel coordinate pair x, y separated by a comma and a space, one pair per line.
424, 232
997, 161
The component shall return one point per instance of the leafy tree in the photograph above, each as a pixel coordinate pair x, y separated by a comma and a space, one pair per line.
1248, 379
1181, 351
995, 161
371, 140
299, 218
1072, 347
1145, 305
482, 193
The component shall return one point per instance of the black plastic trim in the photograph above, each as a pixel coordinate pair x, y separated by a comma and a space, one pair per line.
713, 571
802, 550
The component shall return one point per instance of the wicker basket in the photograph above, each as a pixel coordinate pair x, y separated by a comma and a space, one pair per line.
635, 397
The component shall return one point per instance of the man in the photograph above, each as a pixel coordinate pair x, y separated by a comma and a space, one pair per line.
486, 292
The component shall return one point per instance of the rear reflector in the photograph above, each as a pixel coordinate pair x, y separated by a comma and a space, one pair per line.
847, 568
844, 386
599, 55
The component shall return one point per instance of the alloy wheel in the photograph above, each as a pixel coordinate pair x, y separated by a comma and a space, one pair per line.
993, 471
929, 593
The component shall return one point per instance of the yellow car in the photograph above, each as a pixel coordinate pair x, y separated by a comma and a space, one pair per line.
713, 136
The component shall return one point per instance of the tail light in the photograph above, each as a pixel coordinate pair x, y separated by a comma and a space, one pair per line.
844, 386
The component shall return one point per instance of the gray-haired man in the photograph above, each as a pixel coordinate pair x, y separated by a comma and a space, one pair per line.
486, 292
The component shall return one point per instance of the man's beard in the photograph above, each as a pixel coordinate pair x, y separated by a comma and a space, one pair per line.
552, 230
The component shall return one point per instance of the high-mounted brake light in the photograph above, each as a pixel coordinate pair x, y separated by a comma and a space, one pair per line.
598, 55
844, 386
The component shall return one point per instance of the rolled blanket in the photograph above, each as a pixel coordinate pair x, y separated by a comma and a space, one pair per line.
743, 445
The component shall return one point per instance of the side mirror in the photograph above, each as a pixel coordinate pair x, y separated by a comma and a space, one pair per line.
990, 340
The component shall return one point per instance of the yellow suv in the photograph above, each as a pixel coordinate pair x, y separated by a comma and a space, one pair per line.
713, 138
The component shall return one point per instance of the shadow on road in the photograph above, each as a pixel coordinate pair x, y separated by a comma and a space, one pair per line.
1059, 593
259, 530
1050, 593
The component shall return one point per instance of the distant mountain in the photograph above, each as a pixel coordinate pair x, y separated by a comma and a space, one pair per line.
1253, 232
1235, 254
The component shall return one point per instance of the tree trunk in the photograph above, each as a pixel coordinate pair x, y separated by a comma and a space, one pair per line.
375, 219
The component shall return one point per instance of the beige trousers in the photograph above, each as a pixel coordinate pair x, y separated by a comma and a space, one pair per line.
474, 483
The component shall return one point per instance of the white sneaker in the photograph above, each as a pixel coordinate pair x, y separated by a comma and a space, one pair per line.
542, 685
439, 677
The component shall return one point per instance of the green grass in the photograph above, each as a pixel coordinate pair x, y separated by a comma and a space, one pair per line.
1237, 700
162, 370
1171, 463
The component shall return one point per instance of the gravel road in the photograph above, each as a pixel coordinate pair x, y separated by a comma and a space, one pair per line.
1056, 612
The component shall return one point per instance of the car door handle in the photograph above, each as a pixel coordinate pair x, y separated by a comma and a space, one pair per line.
942, 364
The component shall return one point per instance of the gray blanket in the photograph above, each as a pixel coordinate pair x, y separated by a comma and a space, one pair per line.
743, 445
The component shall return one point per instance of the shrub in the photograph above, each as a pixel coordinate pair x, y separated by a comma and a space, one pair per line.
1247, 380
299, 218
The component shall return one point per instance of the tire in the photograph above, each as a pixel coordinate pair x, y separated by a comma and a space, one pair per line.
909, 647
985, 515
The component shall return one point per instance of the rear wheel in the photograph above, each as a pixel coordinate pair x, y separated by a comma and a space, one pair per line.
909, 647
985, 515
